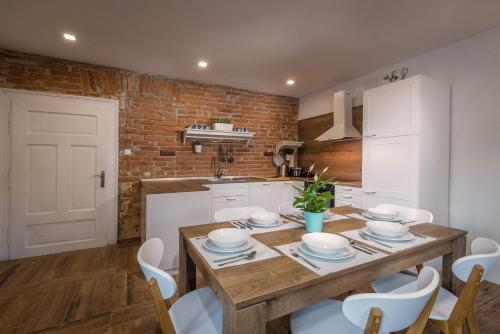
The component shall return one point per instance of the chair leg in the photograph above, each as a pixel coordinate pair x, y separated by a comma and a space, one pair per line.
471, 321
419, 267
443, 326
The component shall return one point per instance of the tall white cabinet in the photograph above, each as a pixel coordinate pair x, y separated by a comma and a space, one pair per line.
406, 129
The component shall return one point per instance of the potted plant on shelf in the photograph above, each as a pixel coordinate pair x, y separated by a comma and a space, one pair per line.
314, 202
222, 124
197, 146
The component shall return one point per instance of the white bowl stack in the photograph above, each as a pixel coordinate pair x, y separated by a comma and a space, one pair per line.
228, 237
325, 243
387, 229
387, 214
264, 217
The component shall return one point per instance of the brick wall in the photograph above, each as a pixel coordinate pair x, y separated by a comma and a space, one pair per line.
159, 109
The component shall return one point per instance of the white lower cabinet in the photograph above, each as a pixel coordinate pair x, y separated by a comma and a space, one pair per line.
228, 202
348, 196
266, 194
165, 213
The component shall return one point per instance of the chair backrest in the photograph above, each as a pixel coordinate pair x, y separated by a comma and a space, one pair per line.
224, 215
399, 310
419, 215
484, 252
149, 257
285, 209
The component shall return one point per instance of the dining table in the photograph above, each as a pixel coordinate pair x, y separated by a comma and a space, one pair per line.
254, 293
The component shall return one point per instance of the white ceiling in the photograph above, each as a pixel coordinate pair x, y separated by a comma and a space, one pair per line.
252, 44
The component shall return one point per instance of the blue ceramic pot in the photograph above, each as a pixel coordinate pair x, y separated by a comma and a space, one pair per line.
314, 221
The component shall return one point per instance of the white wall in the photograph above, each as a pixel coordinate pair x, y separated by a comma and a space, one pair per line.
4, 169
472, 68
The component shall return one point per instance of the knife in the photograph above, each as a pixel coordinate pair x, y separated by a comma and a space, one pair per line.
232, 257
362, 235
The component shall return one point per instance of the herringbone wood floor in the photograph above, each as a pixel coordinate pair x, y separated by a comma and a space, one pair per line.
102, 290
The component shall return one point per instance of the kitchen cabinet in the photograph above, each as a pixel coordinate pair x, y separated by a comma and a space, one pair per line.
266, 194
406, 145
288, 191
348, 196
163, 214
232, 195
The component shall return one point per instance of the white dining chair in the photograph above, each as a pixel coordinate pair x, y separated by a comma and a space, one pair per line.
286, 209
450, 311
198, 312
396, 310
410, 214
228, 214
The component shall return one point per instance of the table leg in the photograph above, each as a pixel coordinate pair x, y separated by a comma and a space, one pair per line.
249, 320
187, 269
450, 282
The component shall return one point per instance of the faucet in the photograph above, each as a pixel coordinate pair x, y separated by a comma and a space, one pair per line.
220, 172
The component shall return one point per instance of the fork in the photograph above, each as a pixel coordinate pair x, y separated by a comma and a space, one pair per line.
239, 224
373, 240
297, 255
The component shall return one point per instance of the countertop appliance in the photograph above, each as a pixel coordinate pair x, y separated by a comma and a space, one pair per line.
294, 171
328, 187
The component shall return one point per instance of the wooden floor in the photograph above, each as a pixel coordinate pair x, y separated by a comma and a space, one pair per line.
102, 290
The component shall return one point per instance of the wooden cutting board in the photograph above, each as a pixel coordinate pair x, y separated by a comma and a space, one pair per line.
277, 178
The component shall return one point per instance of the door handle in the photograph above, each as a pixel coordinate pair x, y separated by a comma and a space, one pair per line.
102, 175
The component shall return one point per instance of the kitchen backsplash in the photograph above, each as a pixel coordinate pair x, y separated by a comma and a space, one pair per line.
159, 109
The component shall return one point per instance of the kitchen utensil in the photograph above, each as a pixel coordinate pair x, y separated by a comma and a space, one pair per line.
297, 255
228, 237
325, 243
244, 223
278, 160
295, 171
233, 257
247, 258
283, 170
363, 236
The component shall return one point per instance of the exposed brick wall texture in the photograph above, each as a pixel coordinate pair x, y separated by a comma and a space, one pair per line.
159, 109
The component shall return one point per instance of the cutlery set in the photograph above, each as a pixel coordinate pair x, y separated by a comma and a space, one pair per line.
360, 247
242, 224
232, 259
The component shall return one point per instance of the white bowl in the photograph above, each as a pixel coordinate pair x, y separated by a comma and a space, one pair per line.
264, 217
325, 243
383, 213
228, 237
388, 229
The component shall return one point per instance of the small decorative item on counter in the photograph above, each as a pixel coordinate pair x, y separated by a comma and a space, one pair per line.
198, 126
221, 124
197, 144
240, 129
314, 202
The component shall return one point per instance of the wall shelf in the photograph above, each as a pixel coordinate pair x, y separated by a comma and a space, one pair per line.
216, 136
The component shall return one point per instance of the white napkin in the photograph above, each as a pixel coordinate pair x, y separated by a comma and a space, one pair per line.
263, 253
329, 266
284, 226
359, 216
396, 246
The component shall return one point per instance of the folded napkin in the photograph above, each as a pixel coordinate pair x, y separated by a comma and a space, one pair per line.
263, 253
287, 224
395, 246
328, 266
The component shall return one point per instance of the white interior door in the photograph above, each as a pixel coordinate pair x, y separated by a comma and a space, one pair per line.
390, 170
58, 145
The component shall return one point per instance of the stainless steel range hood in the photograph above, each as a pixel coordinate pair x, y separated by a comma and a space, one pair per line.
342, 119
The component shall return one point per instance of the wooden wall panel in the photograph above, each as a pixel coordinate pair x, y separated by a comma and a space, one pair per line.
343, 157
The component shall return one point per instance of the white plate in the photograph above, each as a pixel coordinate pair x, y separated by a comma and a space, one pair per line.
383, 213
275, 224
325, 243
213, 248
264, 217
366, 214
387, 229
337, 256
404, 238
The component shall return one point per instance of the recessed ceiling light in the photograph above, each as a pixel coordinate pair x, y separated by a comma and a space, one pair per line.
69, 37
202, 64
290, 82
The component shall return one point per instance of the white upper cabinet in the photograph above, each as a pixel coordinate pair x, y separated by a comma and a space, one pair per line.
392, 110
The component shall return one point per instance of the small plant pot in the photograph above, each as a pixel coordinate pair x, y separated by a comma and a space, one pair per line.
222, 126
314, 221
197, 148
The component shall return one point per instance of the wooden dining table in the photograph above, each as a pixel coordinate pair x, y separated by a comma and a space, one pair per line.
254, 293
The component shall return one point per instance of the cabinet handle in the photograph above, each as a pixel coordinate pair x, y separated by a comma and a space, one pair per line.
344, 196
230, 198
369, 192
347, 189
370, 136
266, 184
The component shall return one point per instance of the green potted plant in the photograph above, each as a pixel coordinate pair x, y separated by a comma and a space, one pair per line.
313, 202
222, 124
197, 144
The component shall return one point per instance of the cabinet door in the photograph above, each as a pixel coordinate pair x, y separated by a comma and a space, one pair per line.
228, 202
266, 194
288, 192
391, 110
390, 169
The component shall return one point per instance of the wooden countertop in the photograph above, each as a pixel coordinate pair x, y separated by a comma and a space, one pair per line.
153, 186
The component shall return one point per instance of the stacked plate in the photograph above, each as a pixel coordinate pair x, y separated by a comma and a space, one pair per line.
383, 214
326, 246
265, 219
387, 231
228, 240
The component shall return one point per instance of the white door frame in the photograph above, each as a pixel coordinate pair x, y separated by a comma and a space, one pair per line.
5, 210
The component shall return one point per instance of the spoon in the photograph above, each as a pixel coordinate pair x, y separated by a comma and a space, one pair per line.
247, 257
